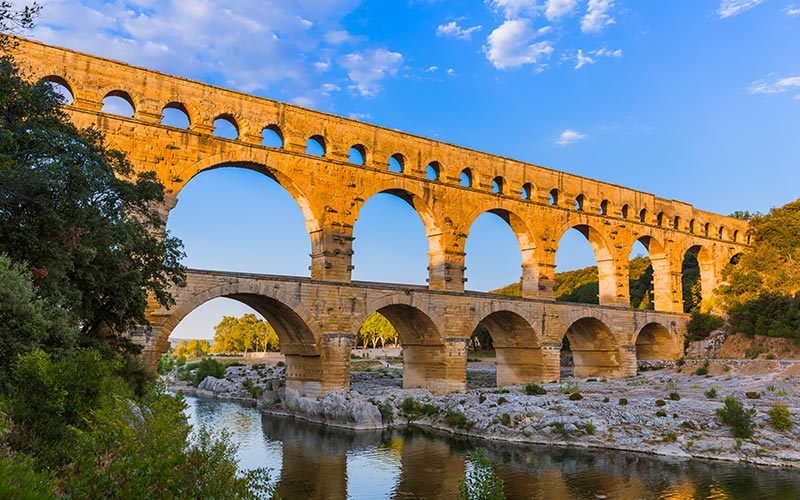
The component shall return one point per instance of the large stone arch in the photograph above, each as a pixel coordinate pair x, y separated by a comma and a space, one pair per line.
518, 347
708, 274
595, 350
663, 295
604, 256
526, 242
656, 341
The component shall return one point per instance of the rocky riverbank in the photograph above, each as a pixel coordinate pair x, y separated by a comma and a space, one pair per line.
669, 411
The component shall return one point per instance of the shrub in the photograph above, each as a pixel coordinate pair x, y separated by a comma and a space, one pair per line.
568, 388
255, 390
703, 370
505, 419
753, 395
739, 419
779, 417
481, 482
589, 428
387, 411
20, 481
575, 396
674, 396
533, 390
701, 324
501, 400
660, 402
280, 364
482, 398
711, 393
623, 401
670, 436
605, 399
753, 351
559, 428
456, 419
661, 413
208, 367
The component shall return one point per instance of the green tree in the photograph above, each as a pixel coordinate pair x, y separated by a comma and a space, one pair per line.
376, 328
244, 334
77, 214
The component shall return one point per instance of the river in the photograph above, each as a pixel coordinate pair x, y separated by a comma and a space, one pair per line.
310, 461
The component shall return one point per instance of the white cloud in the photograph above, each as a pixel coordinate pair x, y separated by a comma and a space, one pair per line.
511, 45
432, 69
451, 72
592, 56
452, 29
559, 8
729, 8
783, 85
597, 16
367, 68
792, 11
568, 137
513, 8
360, 116
583, 60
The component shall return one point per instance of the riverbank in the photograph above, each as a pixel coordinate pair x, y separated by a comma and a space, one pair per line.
668, 412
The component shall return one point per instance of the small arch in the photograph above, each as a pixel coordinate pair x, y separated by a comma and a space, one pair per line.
676, 223
527, 190
707, 228
553, 199
692, 226
605, 207
175, 114
119, 102
315, 145
748, 238
579, 201
465, 179
497, 185
433, 171
721, 232
272, 137
357, 155
735, 236
518, 354
735, 258
625, 212
643, 215
593, 348
225, 126
655, 342
660, 218
397, 163
61, 87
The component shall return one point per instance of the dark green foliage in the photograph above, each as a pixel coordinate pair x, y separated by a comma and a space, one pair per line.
703, 370
768, 314
456, 419
674, 396
779, 417
481, 340
208, 367
501, 400
739, 419
623, 401
711, 393
752, 395
20, 481
255, 390
661, 413
505, 419
481, 398
78, 215
411, 409
481, 482
660, 402
691, 290
575, 396
387, 411
701, 324
589, 428
533, 390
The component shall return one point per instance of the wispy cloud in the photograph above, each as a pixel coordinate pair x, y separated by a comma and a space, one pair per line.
568, 137
597, 16
367, 68
514, 8
559, 8
780, 86
592, 56
791, 10
730, 8
452, 29
512, 45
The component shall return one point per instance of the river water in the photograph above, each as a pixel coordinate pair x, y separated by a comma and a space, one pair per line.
310, 461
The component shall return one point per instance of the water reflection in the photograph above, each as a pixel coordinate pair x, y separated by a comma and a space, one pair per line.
315, 462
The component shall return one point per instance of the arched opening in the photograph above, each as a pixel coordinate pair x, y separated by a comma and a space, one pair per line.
175, 115
465, 179
579, 201
423, 348
60, 87
225, 126
315, 145
676, 223
517, 352
527, 191
734, 260
433, 171
272, 137
735, 237
640, 273
497, 247
721, 232
397, 163
605, 207
497, 185
625, 212
578, 277
220, 217
655, 342
553, 198
390, 242
707, 229
591, 346
660, 219
692, 226
119, 103
357, 155
643, 216
697, 278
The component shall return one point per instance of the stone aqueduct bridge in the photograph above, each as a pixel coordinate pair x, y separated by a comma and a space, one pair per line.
316, 318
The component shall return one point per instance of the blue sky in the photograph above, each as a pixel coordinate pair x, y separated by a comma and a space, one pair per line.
693, 100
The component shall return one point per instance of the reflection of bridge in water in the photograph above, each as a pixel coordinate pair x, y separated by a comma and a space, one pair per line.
449, 187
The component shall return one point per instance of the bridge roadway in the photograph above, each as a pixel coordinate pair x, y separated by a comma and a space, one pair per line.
317, 322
